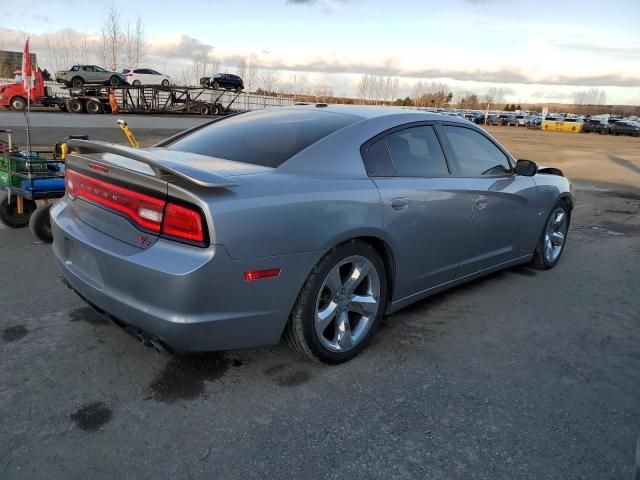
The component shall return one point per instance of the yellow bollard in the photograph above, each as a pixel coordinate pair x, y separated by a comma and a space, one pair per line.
128, 133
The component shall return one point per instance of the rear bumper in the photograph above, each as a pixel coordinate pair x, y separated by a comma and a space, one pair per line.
192, 299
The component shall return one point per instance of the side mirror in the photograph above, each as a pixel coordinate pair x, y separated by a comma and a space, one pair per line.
526, 168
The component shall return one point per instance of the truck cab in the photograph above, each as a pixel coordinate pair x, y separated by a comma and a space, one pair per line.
14, 96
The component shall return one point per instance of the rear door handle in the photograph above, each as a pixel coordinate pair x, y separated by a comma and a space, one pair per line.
399, 203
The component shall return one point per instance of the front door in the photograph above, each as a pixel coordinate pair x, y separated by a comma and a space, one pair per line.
503, 202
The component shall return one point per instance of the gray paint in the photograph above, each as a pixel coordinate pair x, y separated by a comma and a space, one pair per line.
196, 299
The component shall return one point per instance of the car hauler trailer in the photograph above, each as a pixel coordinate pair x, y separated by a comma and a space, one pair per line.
157, 99
154, 99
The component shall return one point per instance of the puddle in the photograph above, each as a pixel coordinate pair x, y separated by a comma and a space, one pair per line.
183, 378
91, 416
11, 334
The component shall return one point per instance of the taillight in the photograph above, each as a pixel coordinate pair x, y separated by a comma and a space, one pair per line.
182, 222
150, 213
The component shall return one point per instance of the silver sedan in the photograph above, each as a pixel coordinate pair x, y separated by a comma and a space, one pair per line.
309, 223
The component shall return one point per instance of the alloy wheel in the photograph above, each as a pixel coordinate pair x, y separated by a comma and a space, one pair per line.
347, 303
555, 234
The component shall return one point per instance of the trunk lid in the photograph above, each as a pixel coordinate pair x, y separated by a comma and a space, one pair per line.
123, 191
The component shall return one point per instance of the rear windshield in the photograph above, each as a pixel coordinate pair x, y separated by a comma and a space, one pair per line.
267, 138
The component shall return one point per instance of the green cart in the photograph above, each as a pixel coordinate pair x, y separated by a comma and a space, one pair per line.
30, 182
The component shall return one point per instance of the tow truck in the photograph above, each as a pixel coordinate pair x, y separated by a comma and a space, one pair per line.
14, 96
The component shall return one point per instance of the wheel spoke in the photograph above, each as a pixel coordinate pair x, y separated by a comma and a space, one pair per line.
326, 316
559, 219
334, 282
365, 305
548, 247
343, 331
358, 273
557, 238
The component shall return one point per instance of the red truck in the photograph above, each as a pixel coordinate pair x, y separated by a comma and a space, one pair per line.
14, 96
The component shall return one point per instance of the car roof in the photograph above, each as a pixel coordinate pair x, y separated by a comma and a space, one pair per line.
369, 112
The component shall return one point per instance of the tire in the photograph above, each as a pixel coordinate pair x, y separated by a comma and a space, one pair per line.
77, 82
40, 224
75, 105
136, 83
18, 104
94, 106
542, 258
165, 83
215, 86
9, 212
114, 81
330, 345
204, 110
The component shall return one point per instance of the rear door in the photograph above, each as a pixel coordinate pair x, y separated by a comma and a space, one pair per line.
503, 203
426, 210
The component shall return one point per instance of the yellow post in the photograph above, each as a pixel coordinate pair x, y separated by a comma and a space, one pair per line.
20, 203
128, 133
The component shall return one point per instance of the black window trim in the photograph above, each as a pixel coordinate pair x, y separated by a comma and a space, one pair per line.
456, 172
364, 148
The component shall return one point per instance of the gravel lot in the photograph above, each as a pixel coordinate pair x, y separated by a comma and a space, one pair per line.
523, 374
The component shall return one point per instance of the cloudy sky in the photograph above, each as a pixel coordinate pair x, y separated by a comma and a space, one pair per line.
538, 50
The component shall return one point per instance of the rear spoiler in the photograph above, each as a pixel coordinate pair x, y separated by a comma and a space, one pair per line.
201, 177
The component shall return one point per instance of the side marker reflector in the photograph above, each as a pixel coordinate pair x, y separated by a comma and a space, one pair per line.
258, 274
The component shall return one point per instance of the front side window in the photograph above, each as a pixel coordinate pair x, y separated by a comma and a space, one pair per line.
474, 154
416, 152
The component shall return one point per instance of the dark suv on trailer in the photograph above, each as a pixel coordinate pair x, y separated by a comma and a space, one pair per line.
225, 81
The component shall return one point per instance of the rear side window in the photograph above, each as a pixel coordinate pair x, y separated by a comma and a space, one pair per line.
416, 152
267, 138
377, 160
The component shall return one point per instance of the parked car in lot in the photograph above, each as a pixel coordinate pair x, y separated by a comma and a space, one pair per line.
493, 119
475, 117
506, 119
533, 121
597, 125
626, 127
145, 76
78, 75
225, 81
308, 222
520, 121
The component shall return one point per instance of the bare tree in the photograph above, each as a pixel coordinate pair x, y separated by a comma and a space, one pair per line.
593, 96
112, 39
140, 41
269, 79
241, 69
202, 64
363, 87
495, 96
66, 48
135, 43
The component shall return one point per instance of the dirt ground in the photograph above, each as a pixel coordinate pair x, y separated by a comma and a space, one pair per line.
523, 374
582, 157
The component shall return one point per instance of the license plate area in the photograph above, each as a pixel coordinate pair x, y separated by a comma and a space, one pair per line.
82, 262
